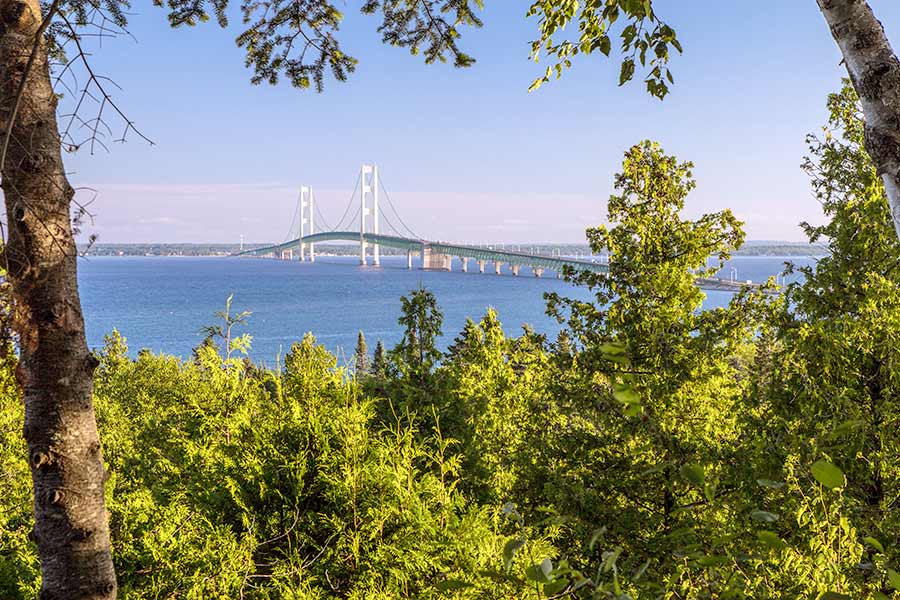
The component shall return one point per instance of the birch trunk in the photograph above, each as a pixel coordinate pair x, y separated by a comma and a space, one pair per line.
875, 73
55, 370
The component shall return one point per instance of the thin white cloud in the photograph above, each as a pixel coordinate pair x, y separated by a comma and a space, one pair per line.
188, 189
161, 221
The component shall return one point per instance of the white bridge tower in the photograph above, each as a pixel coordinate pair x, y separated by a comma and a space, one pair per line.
307, 221
368, 198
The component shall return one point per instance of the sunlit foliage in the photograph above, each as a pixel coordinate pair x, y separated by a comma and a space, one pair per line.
654, 449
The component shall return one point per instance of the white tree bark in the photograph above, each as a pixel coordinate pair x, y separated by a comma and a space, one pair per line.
875, 73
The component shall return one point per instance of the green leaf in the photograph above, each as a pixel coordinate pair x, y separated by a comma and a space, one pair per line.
694, 474
605, 45
510, 549
627, 71
827, 474
763, 516
846, 428
874, 543
612, 348
894, 578
625, 394
709, 491
633, 410
834, 596
771, 539
555, 587
540, 572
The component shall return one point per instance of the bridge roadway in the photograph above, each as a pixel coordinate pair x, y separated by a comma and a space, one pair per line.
514, 259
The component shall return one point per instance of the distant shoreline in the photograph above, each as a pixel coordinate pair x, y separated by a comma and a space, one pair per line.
752, 248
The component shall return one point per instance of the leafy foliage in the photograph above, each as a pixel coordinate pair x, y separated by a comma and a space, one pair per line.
298, 39
644, 38
264, 484
655, 449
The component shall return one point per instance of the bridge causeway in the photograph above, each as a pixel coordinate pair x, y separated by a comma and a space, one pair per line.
434, 255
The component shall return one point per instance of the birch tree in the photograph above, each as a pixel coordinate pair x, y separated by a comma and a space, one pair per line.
875, 72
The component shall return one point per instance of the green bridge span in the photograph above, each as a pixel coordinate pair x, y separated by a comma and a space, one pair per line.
438, 256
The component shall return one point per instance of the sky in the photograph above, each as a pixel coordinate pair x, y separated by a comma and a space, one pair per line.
466, 155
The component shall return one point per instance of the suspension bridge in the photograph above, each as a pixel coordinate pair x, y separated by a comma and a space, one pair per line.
363, 225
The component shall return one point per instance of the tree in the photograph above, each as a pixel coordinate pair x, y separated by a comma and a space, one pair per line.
379, 360
831, 393
361, 357
416, 354
283, 38
657, 366
55, 370
224, 333
875, 72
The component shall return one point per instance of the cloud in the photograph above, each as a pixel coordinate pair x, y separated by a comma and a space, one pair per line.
161, 221
188, 189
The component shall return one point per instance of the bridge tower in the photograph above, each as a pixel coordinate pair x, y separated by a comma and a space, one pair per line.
307, 220
368, 199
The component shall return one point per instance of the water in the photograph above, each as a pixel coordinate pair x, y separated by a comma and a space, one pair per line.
161, 303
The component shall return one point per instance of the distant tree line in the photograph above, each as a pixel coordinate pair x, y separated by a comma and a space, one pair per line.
751, 248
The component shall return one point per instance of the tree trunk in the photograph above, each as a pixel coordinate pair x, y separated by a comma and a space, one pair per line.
875, 73
55, 369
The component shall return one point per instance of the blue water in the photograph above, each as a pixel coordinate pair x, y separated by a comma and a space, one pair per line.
161, 303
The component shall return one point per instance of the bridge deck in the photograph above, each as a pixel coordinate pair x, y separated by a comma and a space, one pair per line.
473, 252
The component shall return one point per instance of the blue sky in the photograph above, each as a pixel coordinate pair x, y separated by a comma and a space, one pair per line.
467, 155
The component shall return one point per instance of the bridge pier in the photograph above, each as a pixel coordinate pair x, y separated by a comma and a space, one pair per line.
538, 271
481, 266
497, 267
436, 261
409, 260
465, 264
515, 270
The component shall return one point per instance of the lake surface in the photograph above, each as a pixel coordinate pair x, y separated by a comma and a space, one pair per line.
161, 303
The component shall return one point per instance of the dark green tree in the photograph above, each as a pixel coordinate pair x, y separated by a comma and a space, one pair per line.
417, 353
379, 361
361, 356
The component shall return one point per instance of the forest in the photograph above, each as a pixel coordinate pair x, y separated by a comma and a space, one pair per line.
654, 449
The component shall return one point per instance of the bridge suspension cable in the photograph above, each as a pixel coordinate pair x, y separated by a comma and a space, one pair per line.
349, 206
292, 228
322, 219
399, 218
391, 225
